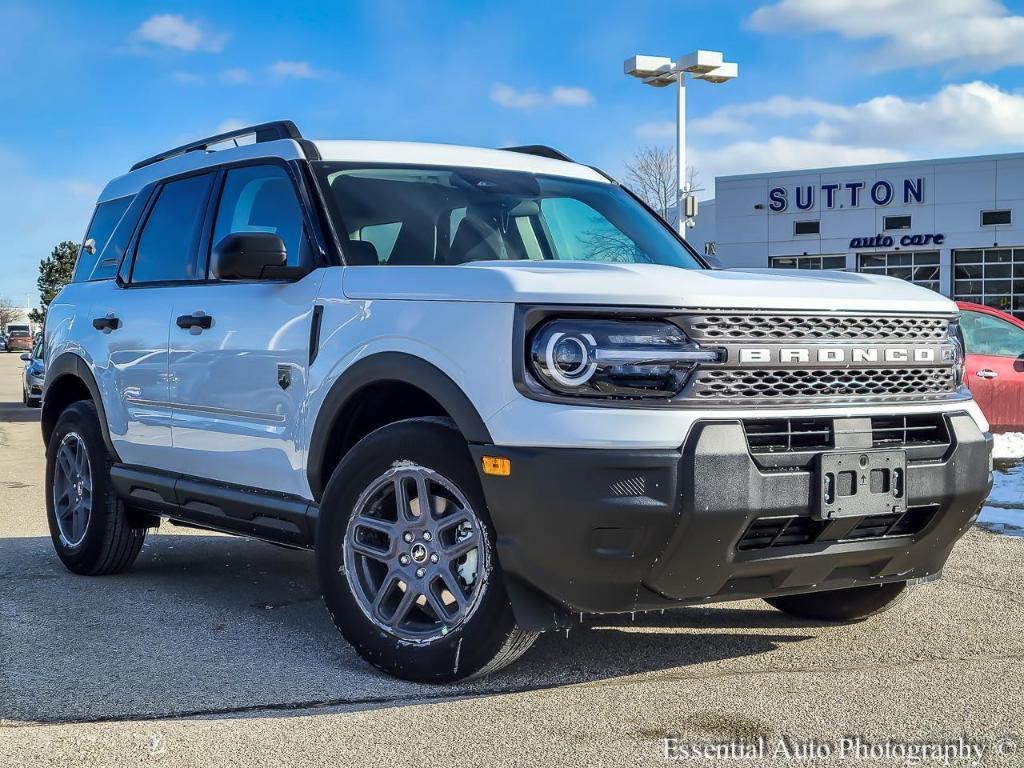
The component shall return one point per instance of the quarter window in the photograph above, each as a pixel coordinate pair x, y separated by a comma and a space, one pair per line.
988, 335
261, 198
104, 220
166, 249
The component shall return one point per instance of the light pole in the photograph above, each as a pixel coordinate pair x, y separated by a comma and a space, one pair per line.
660, 71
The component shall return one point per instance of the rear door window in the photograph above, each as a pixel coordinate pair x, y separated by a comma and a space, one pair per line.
166, 250
104, 220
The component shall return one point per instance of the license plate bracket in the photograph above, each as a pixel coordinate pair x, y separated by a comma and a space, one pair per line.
859, 483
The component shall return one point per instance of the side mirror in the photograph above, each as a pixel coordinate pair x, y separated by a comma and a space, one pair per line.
26, 357
249, 256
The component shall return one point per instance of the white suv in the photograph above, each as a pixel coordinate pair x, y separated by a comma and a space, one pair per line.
491, 389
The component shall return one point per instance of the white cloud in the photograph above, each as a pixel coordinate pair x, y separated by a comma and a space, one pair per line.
975, 35
657, 130
36, 212
170, 30
559, 96
975, 114
235, 76
188, 78
292, 70
565, 96
231, 124
782, 153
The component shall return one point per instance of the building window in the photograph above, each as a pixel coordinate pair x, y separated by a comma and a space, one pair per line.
991, 218
806, 227
895, 222
918, 267
992, 276
808, 262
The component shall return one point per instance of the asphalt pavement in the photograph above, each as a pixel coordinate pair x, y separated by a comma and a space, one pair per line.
217, 651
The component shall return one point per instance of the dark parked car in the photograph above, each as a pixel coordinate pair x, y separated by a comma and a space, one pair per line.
995, 364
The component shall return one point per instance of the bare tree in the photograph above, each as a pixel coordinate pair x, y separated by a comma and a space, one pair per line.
9, 312
652, 175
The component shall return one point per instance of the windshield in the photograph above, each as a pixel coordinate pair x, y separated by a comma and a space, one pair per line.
436, 215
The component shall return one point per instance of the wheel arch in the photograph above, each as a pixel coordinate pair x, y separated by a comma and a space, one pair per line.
68, 380
381, 369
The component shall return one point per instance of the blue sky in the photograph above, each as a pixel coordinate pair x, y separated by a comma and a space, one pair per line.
88, 88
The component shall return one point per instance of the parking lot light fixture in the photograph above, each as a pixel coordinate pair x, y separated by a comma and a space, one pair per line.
661, 71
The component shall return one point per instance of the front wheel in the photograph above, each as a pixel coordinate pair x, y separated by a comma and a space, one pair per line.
406, 557
852, 604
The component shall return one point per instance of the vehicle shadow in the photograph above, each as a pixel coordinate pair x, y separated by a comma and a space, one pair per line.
18, 412
208, 625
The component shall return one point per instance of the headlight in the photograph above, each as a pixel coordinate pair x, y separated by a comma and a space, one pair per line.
956, 336
614, 358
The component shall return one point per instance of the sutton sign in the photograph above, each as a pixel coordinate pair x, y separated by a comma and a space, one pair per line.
850, 194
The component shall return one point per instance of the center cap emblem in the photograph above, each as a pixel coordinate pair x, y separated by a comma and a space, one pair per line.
419, 553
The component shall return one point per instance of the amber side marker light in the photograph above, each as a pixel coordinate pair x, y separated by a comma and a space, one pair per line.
496, 465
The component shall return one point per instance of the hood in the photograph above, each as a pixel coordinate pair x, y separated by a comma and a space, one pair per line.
643, 285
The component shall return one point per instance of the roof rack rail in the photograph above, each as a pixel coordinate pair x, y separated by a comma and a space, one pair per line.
278, 129
541, 151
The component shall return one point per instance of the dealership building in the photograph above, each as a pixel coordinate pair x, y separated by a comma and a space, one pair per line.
955, 226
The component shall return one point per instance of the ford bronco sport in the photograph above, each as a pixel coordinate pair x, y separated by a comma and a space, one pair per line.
491, 390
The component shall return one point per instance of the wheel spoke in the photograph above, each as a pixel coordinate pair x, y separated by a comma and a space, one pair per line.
404, 606
423, 505
389, 583
452, 585
462, 546
402, 501
367, 550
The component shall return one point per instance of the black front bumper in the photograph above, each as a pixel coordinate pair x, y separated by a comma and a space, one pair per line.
623, 530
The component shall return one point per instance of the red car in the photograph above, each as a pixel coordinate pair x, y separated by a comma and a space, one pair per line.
19, 341
995, 364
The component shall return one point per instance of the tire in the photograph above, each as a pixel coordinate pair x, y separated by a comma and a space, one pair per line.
406, 634
841, 605
102, 540
24, 396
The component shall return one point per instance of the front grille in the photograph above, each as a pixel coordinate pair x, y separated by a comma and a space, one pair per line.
797, 530
712, 384
768, 532
787, 327
918, 429
912, 521
773, 435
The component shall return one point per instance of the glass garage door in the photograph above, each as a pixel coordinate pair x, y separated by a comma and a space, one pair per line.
992, 276
918, 267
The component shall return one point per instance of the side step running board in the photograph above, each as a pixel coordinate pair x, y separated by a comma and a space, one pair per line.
273, 517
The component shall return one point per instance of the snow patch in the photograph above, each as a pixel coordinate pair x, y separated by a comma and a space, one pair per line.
1008, 446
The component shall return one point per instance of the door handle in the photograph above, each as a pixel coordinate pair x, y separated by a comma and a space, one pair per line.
195, 320
986, 373
106, 324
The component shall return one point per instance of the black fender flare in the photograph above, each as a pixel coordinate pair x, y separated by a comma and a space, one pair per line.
71, 365
384, 367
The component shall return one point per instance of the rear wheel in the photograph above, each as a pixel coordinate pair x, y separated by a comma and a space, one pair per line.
406, 557
89, 525
853, 604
